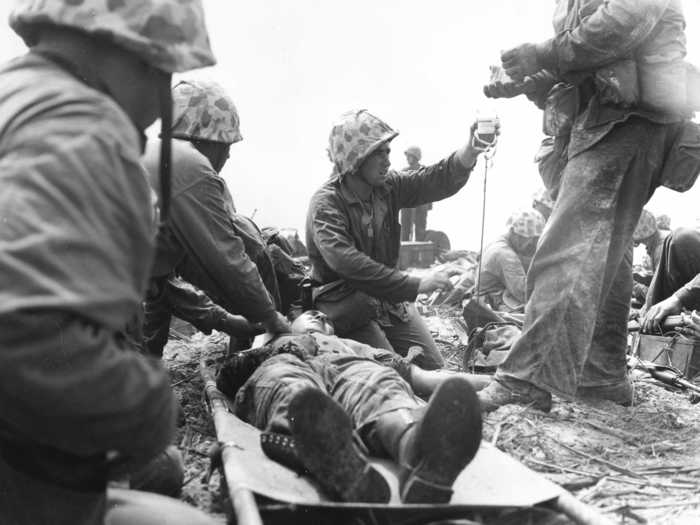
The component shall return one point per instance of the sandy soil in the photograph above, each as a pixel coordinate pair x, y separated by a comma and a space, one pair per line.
638, 465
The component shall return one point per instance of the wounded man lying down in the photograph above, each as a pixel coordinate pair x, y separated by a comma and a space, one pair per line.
324, 392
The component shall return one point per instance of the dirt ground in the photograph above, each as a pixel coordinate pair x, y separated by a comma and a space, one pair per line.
637, 465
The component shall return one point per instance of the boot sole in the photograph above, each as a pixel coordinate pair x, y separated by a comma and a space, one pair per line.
447, 439
324, 438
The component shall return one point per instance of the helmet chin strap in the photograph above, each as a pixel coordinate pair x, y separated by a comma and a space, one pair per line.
166, 124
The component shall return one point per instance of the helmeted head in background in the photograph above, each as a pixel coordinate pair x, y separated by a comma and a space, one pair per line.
354, 137
663, 222
169, 35
543, 203
646, 227
202, 110
413, 156
524, 230
204, 114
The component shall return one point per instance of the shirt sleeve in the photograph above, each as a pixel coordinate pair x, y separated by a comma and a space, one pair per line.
689, 294
203, 225
194, 306
430, 183
611, 32
331, 234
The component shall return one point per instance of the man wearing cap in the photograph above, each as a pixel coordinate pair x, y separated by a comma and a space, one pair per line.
506, 261
77, 407
414, 221
353, 236
205, 241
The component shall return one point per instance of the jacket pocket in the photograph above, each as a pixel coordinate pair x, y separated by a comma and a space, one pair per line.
560, 110
682, 164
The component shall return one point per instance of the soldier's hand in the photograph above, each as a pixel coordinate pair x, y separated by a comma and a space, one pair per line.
655, 315
277, 324
521, 61
237, 325
436, 280
692, 324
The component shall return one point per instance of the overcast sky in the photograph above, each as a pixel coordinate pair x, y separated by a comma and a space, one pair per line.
293, 66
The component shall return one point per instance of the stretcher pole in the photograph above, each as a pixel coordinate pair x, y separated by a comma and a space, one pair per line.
242, 498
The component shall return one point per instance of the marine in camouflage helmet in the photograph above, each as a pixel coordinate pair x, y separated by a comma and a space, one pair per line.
204, 111
646, 227
170, 35
354, 137
526, 223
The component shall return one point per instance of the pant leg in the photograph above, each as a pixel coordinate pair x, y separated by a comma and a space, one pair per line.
600, 200
414, 332
156, 318
680, 262
406, 224
263, 401
133, 507
421, 221
25, 500
370, 334
607, 363
366, 390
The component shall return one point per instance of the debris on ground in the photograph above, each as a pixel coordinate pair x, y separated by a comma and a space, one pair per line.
639, 464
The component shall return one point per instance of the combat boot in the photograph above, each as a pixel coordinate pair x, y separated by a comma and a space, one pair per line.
323, 437
499, 393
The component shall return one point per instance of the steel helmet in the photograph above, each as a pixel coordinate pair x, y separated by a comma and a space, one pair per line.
170, 35
354, 137
526, 223
414, 151
646, 226
663, 222
202, 110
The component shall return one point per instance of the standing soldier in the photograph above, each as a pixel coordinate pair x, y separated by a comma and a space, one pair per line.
77, 407
414, 221
619, 114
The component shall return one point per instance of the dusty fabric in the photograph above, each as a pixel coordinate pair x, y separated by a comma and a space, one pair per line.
678, 272
168, 34
171, 296
75, 253
362, 379
503, 273
200, 241
579, 266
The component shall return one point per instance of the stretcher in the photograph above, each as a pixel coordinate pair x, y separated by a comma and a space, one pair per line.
259, 487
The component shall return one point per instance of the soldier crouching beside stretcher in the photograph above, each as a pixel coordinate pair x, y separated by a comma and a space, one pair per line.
323, 391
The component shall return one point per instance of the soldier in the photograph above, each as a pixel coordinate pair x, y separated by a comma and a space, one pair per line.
76, 244
414, 221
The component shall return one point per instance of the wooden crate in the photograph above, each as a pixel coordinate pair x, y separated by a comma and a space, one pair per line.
677, 351
416, 254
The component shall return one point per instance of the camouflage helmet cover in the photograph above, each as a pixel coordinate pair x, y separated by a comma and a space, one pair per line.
170, 35
355, 136
646, 226
526, 223
663, 222
202, 110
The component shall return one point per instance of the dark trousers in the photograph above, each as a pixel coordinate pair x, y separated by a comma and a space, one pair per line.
679, 264
414, 218
580, 282
401, 336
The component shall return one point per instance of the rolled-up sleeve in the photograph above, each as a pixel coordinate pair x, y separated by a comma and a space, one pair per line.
611, 32
203, 225
331, 234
